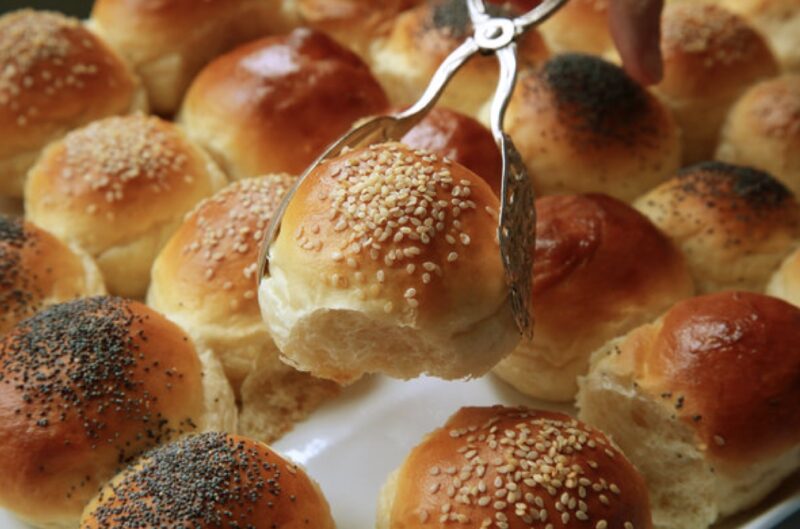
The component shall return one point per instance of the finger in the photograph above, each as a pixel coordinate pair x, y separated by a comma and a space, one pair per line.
636, 29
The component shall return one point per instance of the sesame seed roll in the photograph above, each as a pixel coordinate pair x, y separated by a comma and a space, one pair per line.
275, 104
785, 282
118, 188
55, 75
514, 468
462, 139
582, 125
581, 25
599, 262
422, 38
205, 280
169, 41
206, 481
38, 270
704, 403
779, 22
387, 261
85, 387
711, 56
763, 130
734, 224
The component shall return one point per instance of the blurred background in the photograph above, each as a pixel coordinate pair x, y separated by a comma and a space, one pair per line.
79, 8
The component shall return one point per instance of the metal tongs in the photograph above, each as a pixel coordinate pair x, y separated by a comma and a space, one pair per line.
517, 221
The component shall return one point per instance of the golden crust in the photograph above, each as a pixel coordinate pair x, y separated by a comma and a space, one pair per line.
703, 347
494, 459
209, 480
582, 125
581, 25
37, 270
273, 105
462, 139
86, 386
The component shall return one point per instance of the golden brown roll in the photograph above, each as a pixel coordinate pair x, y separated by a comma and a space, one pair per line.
356, 24
763, 130
421, 39
275, 104
734, 224
581, 25
207, 481
779, 22
599, 262
169, 41
375, 270
704, 403
515, 468
785, 283
118, 188
55, 75
711, 56
582, 126
85, 387
38, 270
462, 139
205, 280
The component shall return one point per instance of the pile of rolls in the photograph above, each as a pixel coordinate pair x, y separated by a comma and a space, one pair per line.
144, 362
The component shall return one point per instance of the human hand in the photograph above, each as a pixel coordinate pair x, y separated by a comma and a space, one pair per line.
636, 30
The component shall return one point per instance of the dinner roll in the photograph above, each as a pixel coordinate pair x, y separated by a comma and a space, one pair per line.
387, 261
85, 387
785, 283
599, 262
275, 104
118, 188
462, 139
356, 24
581, 25
704, 403
763, 130
711, 56
734, 224
210, 480
582, 125
55, 75
515, 468
779, 22
421, 39
205, 280
169, 41
38, 270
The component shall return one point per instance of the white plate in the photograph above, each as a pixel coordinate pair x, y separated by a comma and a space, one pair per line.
352, 443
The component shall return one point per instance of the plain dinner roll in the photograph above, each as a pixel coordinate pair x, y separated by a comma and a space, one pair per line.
387, 261
462, 139
85, 387
421, 39
711, 56
55, 75
205, 280
600, 263
779, 22
275, 104
210, 480
581, 25
763, 130
38, 270
582, 126
704, 403
785, 283
169, 41
118, 188
734, 224
356, 24
514, 468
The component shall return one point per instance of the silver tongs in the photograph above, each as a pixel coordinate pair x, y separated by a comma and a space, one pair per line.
517, 221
